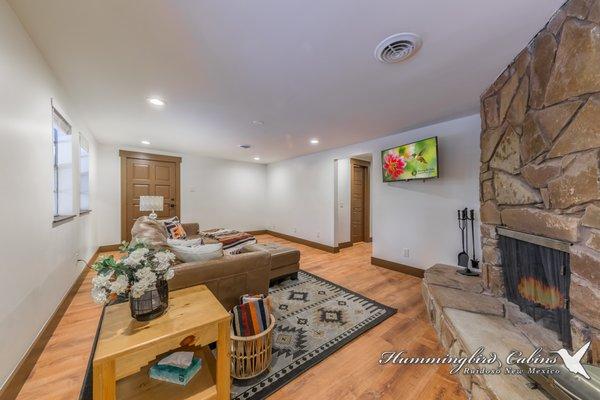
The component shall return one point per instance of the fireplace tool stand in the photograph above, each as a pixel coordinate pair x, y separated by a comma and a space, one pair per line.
463, 220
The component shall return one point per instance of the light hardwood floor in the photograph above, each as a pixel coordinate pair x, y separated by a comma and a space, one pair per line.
352, 372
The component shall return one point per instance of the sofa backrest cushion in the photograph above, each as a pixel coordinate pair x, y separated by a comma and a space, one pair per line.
203, 252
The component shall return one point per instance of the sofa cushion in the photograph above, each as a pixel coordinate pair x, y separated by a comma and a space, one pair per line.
281, 256
189, 242
198, 253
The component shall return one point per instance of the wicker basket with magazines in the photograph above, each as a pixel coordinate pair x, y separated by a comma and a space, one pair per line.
251, 355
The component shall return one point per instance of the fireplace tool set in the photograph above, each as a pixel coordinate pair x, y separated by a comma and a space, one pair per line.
464, 216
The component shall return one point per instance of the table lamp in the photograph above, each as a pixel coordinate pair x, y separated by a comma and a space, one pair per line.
151, 203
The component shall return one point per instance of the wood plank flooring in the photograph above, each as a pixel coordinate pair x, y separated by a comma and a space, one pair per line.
352, 372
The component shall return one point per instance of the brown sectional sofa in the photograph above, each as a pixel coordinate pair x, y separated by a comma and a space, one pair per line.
231, 276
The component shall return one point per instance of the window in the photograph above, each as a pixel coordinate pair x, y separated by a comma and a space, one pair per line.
84, 175
63, 167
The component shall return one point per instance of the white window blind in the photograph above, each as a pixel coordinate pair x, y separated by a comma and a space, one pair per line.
63, 165
84, 174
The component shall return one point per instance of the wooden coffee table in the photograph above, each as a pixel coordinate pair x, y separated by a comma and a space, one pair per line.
127, 348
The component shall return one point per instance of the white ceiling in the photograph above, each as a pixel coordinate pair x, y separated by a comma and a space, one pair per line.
305, 68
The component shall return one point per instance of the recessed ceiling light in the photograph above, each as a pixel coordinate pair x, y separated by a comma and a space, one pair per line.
314, 141
145, 142
256, 158
258, 123
244, 146
156, 101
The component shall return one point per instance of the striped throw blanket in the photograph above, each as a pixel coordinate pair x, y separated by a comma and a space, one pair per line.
233, 241
250, 318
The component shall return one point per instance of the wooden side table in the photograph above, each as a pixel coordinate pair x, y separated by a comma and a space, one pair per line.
127, 348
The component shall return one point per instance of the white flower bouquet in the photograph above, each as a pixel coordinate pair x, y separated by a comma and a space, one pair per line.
136, 274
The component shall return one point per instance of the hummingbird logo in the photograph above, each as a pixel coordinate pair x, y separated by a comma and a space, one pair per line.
573, 362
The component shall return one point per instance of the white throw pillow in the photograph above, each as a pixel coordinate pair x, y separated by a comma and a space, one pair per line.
198, 253
185, 242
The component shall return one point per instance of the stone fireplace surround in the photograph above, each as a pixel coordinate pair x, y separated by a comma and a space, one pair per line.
540, 157
539, 175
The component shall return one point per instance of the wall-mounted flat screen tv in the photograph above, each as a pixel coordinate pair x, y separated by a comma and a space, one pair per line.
417, 160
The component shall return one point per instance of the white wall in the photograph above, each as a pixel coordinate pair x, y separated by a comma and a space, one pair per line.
38, 260
343, 201
214, 193
419, 216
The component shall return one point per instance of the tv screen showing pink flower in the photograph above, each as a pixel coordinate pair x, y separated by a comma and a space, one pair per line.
416, 160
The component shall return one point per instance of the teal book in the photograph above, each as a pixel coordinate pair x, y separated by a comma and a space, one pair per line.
180, 376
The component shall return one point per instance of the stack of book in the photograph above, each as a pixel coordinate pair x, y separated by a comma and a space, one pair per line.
179, 367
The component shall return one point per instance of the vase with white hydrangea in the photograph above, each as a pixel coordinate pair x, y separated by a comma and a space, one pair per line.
142, 274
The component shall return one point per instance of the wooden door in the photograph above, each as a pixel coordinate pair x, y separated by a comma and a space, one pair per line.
359, 201
147, 175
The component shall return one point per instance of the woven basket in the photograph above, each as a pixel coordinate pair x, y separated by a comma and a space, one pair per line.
251, 355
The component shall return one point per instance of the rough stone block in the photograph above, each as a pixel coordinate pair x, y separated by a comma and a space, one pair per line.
491, 255
477, 393
489, 141
585, 262
578, 8
489, 231
543, 51
487, 175
579, 182
585, 297
538, 175
496, 280
541, 222
583, 132
458, 299
556, 22
487, 191
490, 111
593, 242
533, 141
513, 190
506, 94
446, 275
552, 120
594, 14
591, 217
516, 112
582, 334
507, 156
576, 66
489, 213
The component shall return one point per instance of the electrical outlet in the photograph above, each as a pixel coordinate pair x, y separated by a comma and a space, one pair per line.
295, 230
318, 235
406, 253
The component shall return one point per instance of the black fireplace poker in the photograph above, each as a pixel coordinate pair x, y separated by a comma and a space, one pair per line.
464, 217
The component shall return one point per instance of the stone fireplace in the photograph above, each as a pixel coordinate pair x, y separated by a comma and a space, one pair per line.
540, 168
537, 278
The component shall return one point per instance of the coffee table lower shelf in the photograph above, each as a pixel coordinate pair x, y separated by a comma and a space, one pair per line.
202, 386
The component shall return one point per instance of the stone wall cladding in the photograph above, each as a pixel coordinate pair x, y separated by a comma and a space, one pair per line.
540, 155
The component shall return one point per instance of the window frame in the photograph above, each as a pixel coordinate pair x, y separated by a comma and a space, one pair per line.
84, 146
58, 114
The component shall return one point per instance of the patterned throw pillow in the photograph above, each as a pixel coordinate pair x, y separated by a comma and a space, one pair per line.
175, 229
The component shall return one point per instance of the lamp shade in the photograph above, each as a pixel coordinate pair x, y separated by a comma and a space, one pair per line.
151, 203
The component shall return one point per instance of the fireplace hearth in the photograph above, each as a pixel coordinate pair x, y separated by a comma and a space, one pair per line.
537, 278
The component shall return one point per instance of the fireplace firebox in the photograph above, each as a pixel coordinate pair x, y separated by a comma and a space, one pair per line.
537, 276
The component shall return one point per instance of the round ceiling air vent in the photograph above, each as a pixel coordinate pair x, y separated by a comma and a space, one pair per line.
397, 47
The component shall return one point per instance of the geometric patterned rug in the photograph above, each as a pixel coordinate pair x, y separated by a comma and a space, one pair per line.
315, 317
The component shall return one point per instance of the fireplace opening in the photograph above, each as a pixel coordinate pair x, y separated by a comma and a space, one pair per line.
537, 279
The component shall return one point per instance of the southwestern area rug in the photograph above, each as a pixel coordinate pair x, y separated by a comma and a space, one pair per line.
315, 317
